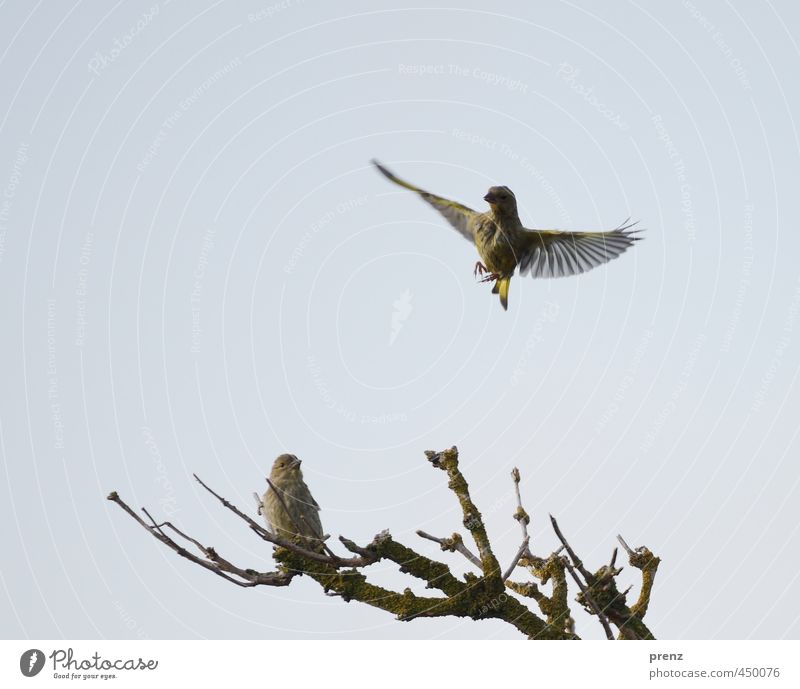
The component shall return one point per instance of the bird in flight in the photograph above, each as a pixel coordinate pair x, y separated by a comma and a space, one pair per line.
505, 245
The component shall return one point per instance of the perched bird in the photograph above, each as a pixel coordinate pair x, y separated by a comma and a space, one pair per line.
504, 244
288, 506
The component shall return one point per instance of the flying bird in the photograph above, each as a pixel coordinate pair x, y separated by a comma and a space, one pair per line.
504, 244
288, 506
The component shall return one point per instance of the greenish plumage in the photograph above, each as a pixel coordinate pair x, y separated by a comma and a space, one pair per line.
504, 244
290, 510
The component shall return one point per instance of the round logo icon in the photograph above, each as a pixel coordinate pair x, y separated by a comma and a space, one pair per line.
31, 662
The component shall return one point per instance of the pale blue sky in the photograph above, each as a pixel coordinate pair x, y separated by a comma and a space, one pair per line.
202, 270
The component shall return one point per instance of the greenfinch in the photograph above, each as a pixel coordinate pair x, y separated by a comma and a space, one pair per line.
504, 244
288, 506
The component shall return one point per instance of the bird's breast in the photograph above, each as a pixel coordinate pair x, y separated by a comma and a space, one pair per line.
495, 248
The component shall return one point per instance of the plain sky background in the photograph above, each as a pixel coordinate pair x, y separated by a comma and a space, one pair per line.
201, 270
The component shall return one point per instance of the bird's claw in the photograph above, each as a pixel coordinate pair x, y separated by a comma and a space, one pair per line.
479, 268
491, 277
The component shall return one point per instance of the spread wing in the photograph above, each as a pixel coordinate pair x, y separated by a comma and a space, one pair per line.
458, 215
555, 254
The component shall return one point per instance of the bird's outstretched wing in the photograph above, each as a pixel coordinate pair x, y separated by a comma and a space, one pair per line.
555, 254
458, 215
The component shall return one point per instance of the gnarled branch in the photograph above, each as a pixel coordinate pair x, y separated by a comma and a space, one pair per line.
482, 595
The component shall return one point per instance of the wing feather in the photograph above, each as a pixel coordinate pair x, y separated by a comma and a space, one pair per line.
553, 253
457, 214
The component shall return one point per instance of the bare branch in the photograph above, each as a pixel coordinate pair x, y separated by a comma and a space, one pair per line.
625, 545
453, 544
448, 461
590, 600
248, 578
644, 560
523, 550
477, 596
520, 515
590, 579
575, 559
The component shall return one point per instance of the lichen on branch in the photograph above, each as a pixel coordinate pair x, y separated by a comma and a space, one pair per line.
487, 593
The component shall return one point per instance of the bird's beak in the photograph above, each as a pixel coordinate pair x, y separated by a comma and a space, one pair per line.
490, 198
296, 463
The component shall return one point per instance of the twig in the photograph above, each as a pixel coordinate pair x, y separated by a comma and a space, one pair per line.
622, 542
520, 515
575, 559
453, 544
588, 597
590, 579
644, 560
251, 577
523, 550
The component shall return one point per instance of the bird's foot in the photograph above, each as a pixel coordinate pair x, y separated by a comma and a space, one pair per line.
479, 268
491, 277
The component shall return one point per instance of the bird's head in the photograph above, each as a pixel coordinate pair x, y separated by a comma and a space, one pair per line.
284, 466
501, 200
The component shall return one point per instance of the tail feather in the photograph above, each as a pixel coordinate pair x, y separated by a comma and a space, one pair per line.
501, 288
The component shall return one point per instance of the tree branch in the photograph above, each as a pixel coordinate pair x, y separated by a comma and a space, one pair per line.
478, 596
214, 563
643, 560
590, 580
448, 462
453, 544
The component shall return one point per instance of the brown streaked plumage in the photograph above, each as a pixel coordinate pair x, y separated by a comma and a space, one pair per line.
292, 512
504, 244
